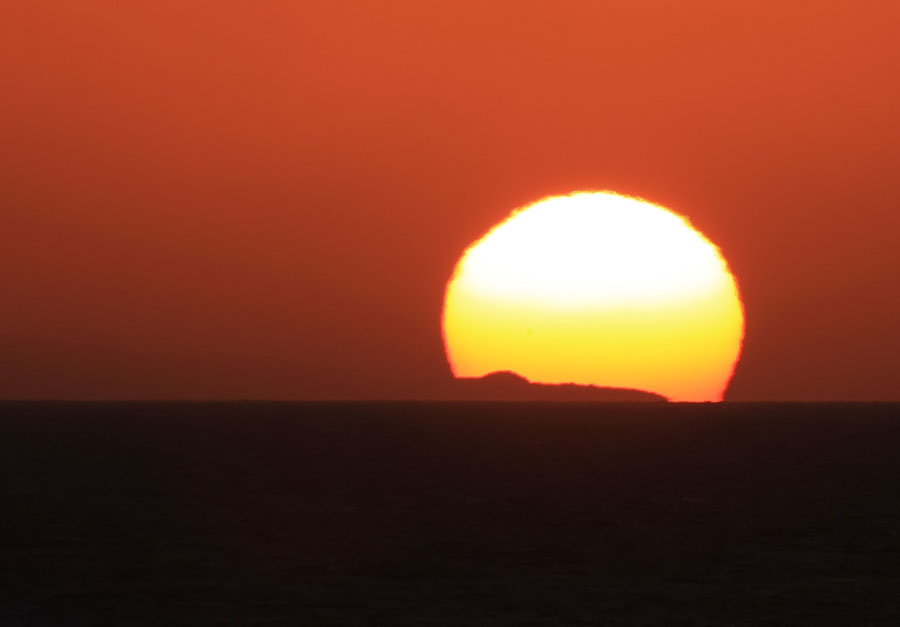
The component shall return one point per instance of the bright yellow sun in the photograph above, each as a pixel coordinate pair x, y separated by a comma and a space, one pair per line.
596, 288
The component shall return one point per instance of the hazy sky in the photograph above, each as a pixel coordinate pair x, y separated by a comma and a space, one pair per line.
220, 199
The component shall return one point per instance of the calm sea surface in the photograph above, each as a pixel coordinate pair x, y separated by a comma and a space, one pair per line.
449, 514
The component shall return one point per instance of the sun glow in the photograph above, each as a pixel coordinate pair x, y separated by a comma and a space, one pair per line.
596, 288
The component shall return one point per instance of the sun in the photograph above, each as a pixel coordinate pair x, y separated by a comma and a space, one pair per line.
596, 288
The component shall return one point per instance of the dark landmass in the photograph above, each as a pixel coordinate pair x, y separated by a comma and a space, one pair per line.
462, 514
508, 386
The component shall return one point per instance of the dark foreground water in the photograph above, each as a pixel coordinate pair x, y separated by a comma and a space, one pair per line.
449, 514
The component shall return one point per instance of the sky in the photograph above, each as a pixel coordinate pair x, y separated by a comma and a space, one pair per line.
220, 200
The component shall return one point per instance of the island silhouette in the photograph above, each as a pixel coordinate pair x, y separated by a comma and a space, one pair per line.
509, 386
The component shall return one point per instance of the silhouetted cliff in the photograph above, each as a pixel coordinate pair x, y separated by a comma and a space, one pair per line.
508, 386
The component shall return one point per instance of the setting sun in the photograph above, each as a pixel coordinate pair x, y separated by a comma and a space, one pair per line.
599, 289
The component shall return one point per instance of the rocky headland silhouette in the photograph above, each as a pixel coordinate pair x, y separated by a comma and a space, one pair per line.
509, 386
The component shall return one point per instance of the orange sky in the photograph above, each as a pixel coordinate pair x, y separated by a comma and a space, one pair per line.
219, 199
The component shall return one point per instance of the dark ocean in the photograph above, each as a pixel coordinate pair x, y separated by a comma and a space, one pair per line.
464, 514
